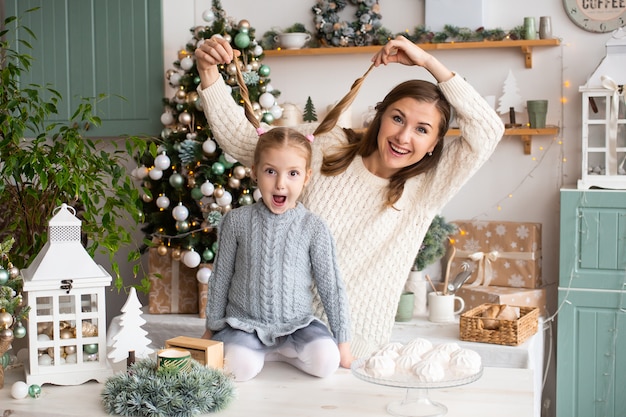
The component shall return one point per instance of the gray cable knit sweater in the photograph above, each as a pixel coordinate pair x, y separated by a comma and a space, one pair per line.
264, 273
376, 245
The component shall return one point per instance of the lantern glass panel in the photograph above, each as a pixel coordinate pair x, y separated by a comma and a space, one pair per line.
89, 303
44, 306
597, 108
597, 136
67, 304
597, 163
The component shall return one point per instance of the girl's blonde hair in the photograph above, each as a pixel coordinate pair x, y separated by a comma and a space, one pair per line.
364, 144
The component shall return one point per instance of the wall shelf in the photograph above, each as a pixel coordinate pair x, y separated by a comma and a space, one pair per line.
525, 133
526, 47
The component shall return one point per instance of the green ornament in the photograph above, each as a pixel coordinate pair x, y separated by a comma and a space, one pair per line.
208, 255
242, 40
91, 348
217, 168
4, 276
5, 360
34, 391
196, 193
177, 181
19, 331
196, 80
268, 118
182, 226
214, 246
245, 200
264, 70
224, 161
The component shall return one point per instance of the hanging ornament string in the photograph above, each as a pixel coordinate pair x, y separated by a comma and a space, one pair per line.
618, 91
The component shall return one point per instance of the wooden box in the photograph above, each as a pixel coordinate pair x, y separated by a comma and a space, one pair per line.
210, 353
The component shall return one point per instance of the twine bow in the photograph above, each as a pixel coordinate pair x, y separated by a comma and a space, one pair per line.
484, 273
618, 91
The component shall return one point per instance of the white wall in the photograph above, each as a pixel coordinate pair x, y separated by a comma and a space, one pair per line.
511, 186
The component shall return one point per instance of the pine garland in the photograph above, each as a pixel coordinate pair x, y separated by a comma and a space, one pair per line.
147, 391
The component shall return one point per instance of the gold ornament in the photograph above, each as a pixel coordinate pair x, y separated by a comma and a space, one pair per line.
244, 24
66, 334
239, 172
6, 320
169, 73
218, 192
176, 254
162, 250
234, 182
181, 95
89, 329
183, 53
69, 350
146, 198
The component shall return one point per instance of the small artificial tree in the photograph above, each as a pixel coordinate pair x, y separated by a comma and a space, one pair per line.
309, 111
434, 243
131, 337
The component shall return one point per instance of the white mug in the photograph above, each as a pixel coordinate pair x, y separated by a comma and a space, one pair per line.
441, 307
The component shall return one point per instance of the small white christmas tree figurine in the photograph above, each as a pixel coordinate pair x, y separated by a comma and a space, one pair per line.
510, 101
131, 337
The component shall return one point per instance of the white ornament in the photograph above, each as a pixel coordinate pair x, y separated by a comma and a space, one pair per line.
191, 259
276, 111
256, 194
155, 174
266, 100
45, 360
225, 199
175, 79
208, 16
162, 162
71, 358
186, 63
141, 172
163, 202
229, 158
257, 51
209, 146
207, 188
19, 390
269, 88
180, 212
203, 275
167, 118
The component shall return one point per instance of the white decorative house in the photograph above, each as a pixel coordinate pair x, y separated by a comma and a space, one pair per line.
64, 288
604, 120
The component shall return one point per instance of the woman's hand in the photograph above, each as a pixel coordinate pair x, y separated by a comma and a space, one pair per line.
401, 50
207, 334
211, 53
345, 355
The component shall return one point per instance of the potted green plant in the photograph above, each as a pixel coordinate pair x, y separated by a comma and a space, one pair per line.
434, 243
43, 165
432, 249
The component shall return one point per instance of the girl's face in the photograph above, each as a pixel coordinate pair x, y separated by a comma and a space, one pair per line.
409, 129
281, 175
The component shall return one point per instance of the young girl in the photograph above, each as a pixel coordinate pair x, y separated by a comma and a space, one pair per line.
270, 255
377, 191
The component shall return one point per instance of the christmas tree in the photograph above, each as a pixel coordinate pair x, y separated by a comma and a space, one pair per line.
309, 111
188, 182
131, 337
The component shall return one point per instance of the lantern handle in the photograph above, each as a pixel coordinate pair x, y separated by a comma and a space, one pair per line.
66, 207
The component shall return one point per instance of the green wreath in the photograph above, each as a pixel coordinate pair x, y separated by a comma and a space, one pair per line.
363, 31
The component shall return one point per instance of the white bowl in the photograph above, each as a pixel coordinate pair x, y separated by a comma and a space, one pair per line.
294, 40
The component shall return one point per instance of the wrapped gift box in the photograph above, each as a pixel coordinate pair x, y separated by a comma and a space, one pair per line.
173, 286
475, 296
502, 253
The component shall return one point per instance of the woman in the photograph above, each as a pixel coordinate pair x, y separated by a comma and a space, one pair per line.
378, 192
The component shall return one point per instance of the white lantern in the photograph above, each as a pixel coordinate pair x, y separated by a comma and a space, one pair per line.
64, 289
604, 120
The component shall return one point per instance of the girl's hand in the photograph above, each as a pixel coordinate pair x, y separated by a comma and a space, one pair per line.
403, 51
211, 53
345, 355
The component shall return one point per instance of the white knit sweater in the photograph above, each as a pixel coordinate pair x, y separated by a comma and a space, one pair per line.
376, 245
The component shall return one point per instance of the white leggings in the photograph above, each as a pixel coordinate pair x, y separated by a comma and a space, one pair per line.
318, 357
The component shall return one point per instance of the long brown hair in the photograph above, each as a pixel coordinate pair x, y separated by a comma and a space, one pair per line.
364, 144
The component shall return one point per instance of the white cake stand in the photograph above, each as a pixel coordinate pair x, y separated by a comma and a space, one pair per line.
415, 402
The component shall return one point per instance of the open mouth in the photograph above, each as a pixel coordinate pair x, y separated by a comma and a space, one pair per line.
397, 150
279, 199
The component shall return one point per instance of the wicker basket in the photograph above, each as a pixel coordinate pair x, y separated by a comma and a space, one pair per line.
509, 332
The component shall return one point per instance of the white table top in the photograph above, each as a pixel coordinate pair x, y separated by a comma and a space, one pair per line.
282, 391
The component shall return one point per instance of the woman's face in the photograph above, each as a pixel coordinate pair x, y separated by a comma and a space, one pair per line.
409, 129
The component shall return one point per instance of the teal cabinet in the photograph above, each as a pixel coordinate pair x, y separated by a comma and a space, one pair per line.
89, 48
591, 323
